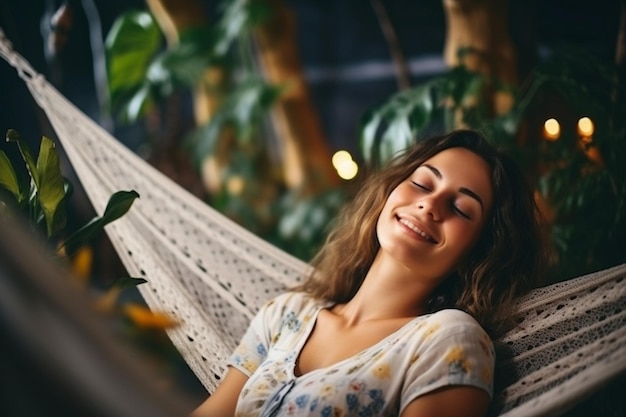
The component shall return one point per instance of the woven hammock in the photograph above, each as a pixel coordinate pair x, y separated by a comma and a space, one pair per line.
213, 275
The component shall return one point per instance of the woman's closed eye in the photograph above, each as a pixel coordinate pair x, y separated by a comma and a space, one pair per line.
460, 212
454, 207
421, 186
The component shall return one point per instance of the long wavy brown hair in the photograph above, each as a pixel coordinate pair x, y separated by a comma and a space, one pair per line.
504, 264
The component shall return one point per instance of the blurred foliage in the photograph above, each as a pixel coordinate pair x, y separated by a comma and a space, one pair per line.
143, 71
36, 190
581, 181
242, 113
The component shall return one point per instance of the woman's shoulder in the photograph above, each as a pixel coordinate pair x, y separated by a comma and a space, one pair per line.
454, 315
454, 321
453, 332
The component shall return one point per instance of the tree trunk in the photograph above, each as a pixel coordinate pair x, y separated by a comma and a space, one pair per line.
482, 26
173, 17
306, 157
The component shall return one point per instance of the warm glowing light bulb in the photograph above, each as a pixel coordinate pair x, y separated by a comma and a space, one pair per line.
345, 166
339, 157
552, 129
585, 127
347, 169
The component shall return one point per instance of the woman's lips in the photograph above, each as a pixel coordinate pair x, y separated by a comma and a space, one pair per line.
412, 226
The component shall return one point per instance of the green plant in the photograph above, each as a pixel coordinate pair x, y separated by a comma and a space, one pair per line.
142, 71
251, 187
36, 190
41, 194
580, 180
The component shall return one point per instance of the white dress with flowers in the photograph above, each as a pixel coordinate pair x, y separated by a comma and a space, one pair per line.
431, 351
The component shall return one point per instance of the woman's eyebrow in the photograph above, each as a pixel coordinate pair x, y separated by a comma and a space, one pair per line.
463, 190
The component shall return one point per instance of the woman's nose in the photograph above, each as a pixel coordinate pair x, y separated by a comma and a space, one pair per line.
431, 206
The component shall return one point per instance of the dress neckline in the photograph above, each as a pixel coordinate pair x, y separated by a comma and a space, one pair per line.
309, 329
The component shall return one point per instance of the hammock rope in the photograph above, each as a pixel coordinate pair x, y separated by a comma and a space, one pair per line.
212, 275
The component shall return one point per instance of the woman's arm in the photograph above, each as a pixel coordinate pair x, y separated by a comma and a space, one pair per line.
451, 401
223, 401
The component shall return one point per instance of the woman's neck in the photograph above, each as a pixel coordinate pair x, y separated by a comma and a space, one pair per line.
389, 291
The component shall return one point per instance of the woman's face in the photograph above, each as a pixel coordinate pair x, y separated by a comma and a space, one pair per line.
433, 218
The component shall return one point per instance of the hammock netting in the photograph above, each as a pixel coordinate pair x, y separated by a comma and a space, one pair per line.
212, 275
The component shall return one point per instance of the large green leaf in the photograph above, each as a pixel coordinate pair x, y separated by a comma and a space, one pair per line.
27, 156
118, 205
238, 17
398, 135
393, 127
8, 178
51, 187
249, 103
179, 66
136, 105
131, 44
370, 123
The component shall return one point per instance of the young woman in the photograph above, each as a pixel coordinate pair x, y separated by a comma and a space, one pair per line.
396, 318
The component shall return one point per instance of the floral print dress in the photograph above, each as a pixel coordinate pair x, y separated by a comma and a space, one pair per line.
431, 351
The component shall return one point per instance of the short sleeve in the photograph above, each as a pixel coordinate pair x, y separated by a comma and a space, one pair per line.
262, 333
255, 343
455, 350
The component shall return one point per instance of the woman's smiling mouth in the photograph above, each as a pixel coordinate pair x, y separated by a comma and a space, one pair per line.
416, 229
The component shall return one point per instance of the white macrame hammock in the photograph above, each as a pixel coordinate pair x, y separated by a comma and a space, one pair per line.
213, 275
